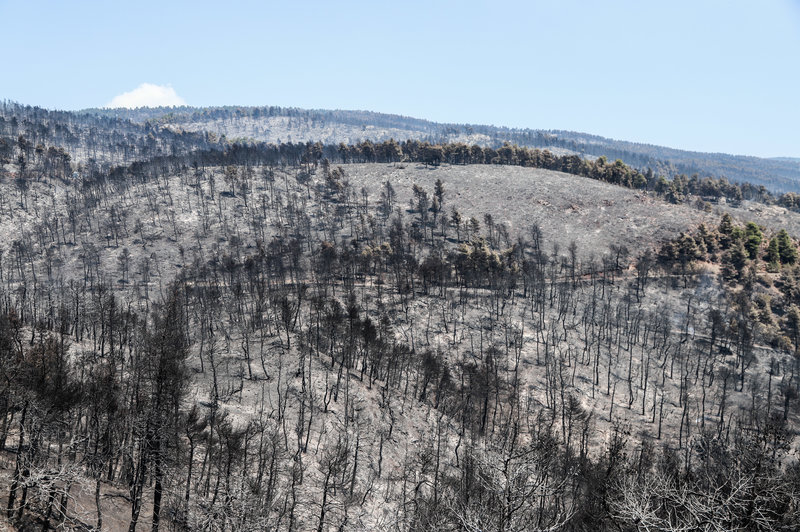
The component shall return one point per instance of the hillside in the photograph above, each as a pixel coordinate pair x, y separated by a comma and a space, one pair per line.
201, 335
276, 124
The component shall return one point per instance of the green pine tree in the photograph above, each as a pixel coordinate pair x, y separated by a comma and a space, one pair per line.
786, 248
753, 238
773, 256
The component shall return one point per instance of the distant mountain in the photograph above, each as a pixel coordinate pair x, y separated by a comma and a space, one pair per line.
275, 124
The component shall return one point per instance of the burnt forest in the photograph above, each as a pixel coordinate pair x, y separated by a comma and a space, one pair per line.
207, 326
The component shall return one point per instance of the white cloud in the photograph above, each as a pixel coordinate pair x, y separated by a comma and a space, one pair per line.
148, 95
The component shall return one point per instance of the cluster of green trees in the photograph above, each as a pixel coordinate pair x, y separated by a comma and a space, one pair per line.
734, 247
761, 271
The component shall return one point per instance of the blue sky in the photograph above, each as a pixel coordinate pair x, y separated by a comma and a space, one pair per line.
700, 75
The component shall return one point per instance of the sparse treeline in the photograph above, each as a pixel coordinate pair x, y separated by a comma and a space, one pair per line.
53, 142
676, 190
773, 173
29, 136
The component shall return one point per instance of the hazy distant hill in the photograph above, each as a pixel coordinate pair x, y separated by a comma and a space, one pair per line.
274, 124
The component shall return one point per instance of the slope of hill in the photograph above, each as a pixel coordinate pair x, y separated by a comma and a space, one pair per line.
222, 338
274, 124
